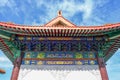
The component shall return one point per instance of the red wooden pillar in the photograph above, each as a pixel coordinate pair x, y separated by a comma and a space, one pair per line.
102, 68
16, 69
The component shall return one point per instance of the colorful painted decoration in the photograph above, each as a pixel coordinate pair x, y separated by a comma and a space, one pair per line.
33, 55
85, 55
91, 55
100, 54
69, 56
92, 62
78, 55
86, 62
33, 62
59, 55
21, 38
41, 55
40, 62
79, 62
50, 56
28, 38
59, 62
59, 38
28, 55
27, 62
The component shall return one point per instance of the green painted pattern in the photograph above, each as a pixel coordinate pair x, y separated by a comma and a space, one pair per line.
16, 52
100, 54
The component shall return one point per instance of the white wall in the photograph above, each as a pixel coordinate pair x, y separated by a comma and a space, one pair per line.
82, 72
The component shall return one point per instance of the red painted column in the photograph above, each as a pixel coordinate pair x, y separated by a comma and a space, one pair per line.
102, 68
16, 69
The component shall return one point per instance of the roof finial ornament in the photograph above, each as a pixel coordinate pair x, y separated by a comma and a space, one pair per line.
59, 13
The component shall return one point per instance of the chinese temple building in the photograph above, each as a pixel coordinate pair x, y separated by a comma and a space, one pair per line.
59, 49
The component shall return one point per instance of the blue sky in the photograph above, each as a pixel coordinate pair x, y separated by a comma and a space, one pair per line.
80, 12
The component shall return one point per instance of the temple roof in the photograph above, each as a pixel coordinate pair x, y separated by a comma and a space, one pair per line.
59, 21
59, 27
63, 28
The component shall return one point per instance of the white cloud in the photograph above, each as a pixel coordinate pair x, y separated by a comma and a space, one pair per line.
85, 8
71, 7
88, 7
5, 62
8, 4
4, 59
6, 65
3, 2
